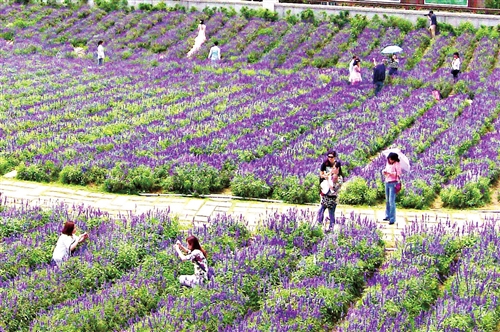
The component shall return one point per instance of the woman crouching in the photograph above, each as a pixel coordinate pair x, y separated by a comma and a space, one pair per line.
198, 256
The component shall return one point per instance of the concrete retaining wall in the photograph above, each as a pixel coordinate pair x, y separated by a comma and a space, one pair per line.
281, 8
412, 15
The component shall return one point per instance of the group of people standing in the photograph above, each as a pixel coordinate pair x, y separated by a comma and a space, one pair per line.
379, 70
331, 179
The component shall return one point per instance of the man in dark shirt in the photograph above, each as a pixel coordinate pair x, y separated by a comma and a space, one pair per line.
433, 24
378, 75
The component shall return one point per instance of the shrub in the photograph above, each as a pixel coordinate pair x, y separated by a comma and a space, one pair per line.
265, 14
6, 165
465, 27
40, 173
396, 22
290, 18
111, 5
95, 175
421, 23
446, 28
418, 196
308, 16
358, 23
146, 7
356, 191
341, 19
292, 190
197, 179
116, 182
127, 54
472, 195
160, 6
141, 179
7, 35
72, 175
249, 186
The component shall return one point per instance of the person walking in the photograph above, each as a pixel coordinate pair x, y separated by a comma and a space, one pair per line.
393, 65
67, 243
432, 24
199, 40
329, 196
391, 172
100, 52
198, 256
214, 53
378, 75
455, 66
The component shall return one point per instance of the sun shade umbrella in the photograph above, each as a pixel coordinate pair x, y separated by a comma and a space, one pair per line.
392, 49
403, 160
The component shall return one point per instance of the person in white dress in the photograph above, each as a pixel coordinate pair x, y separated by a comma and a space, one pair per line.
197, 256
199, 40
67, 243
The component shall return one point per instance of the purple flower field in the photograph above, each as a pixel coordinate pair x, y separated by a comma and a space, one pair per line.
260, 121
286, 276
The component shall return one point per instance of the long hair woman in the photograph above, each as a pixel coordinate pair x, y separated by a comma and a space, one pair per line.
67, 243
392, 172
198, 256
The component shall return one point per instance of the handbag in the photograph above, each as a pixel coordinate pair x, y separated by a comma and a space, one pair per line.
398, 187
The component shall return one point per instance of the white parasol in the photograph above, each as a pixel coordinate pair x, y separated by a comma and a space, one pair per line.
403, 160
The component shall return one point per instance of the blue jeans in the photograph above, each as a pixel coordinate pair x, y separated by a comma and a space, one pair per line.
100, 61
390, 201
378, 87
331, 213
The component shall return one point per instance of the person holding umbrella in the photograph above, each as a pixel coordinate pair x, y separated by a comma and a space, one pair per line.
396, 163
391, 172
393, 65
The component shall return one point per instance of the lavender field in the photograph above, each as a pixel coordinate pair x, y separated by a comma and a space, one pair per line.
258, 123
285, 276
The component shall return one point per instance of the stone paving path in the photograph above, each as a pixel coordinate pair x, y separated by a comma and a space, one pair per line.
199, 210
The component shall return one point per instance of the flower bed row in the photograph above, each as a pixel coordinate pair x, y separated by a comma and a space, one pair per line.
408, 282
116, 246
471, 300
288, 275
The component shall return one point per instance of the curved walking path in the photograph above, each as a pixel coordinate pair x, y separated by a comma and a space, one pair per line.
199, 210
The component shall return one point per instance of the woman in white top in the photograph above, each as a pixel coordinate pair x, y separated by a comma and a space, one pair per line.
198, 257
214, 53
100, 52
199, 40
455, 66
67, 243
